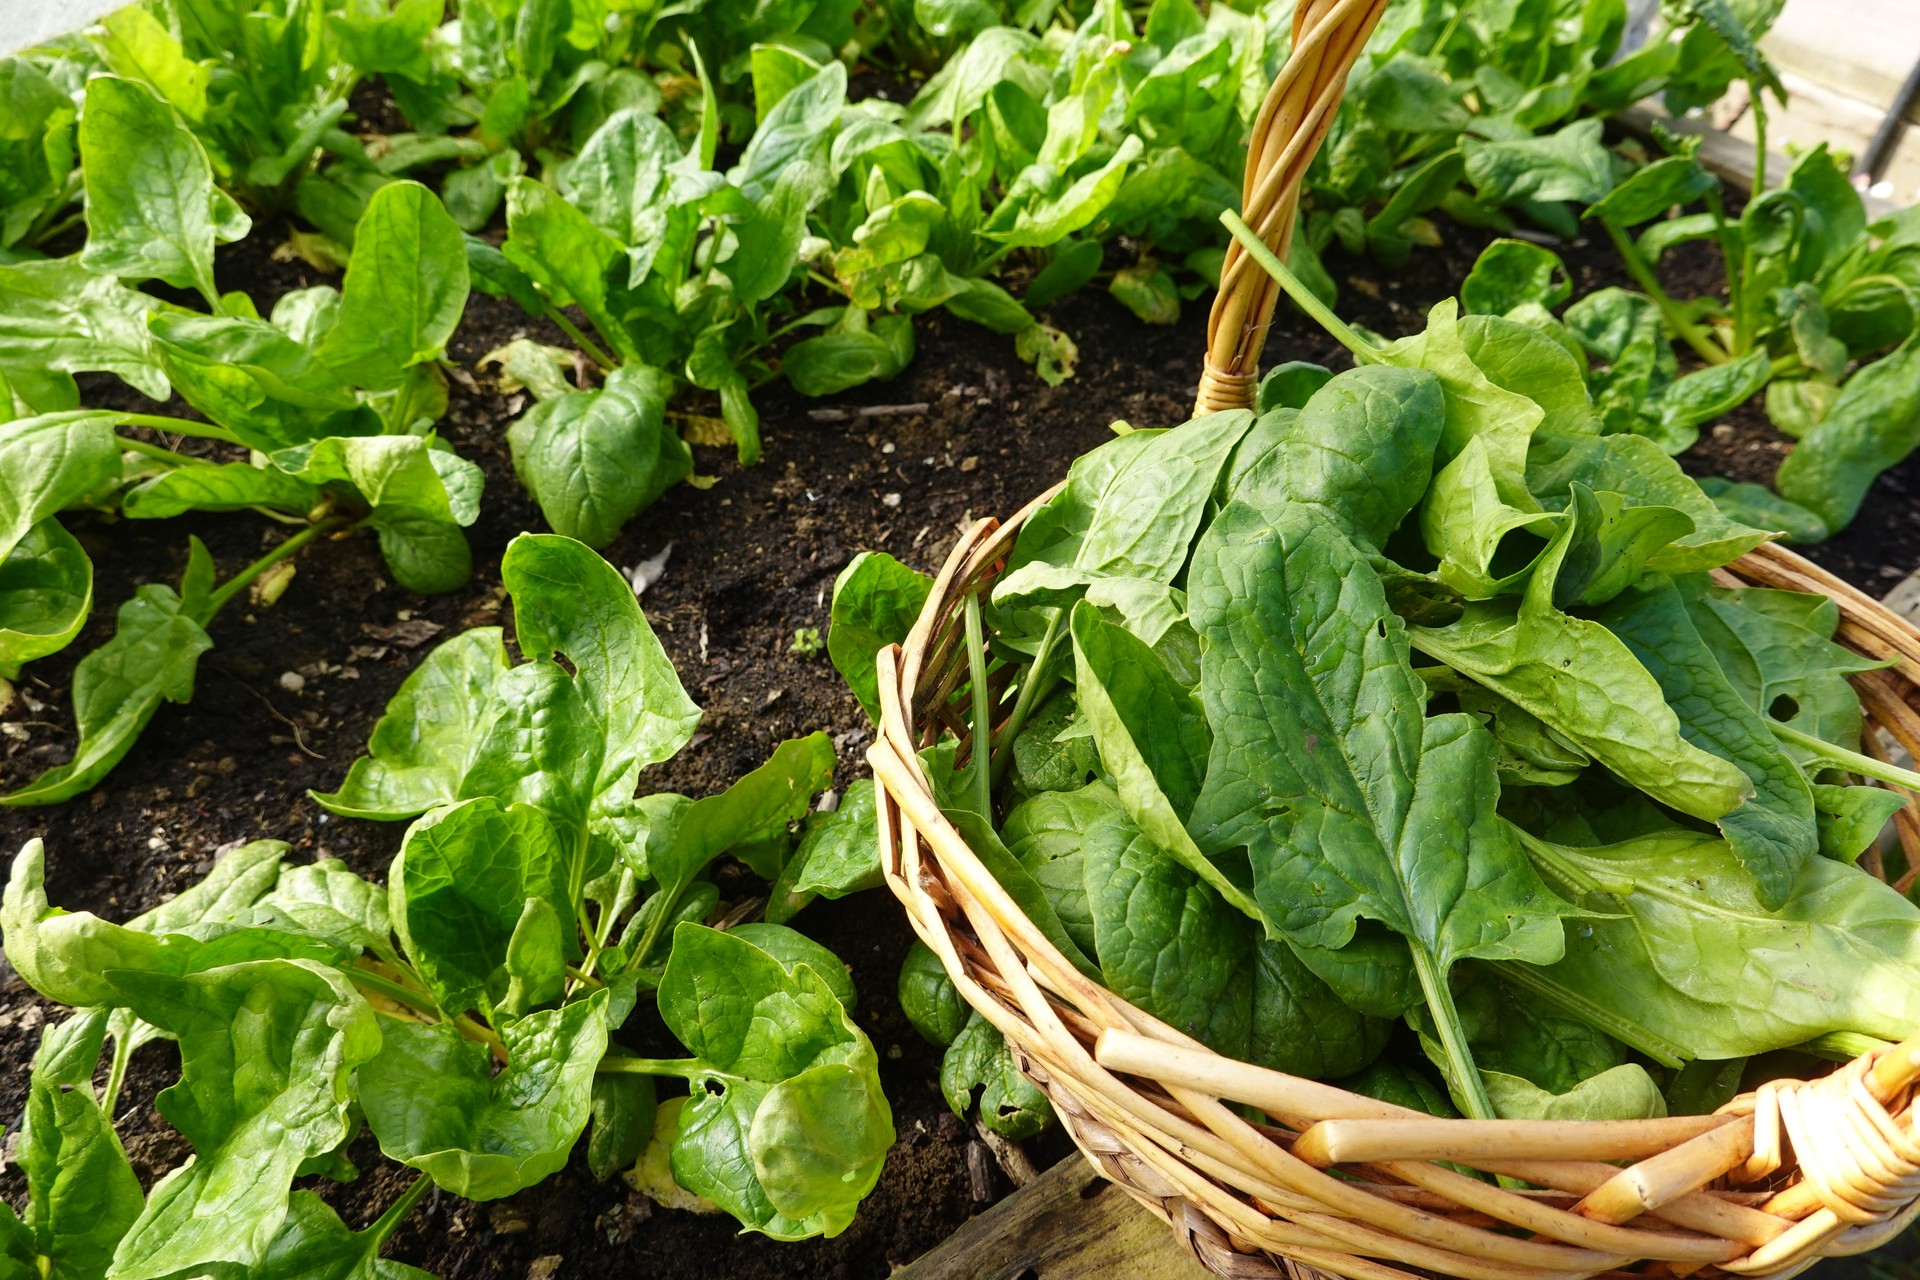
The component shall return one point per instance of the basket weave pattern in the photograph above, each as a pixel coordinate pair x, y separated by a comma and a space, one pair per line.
1777, 1180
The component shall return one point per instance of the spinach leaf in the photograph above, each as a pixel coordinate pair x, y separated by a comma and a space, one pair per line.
424, 743
1170, 944
1148, 512
82, 1193
838, 855
1580, 680
257, 381
624, 1109
432, 1100
1361, 452
595, 459
786, 1128
1046, 755
1300, 1026
1350, 801
1773, 831
978, 1060
928, 997
1872, 424
156, 644
460, 887
54, 461
876, 600
46, 593
421, 497
57, 317
405, 288
1054, 834
268, 1050
314, 1244
153, 212
1687, 962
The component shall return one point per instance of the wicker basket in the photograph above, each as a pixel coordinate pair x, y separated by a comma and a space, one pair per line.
1334, 1182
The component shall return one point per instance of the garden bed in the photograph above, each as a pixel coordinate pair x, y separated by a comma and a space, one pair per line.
753, 560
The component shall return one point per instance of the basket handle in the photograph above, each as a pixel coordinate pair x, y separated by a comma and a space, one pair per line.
1328, 36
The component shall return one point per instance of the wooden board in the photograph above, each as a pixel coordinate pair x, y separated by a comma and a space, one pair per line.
1067, 1224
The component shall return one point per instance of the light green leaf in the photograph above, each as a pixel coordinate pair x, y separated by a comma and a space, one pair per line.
151, 202
432, 1100
46, 593
876, 600
426, 739
405, 288
595, 459
56, 315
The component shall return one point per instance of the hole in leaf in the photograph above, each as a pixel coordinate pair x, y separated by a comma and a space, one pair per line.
1783, 708
1380, 628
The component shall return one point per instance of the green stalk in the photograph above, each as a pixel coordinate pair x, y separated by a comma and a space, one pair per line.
239, 581
181, 427
982, 714
1446, 1020
592, 349
397, 1211
1028, 697
1758, 96
1363, 351
116, 1074
651, 937
685, 1068
1852, 761
367, 980
1642, 273
155, 452
1842, 1046
1731, 258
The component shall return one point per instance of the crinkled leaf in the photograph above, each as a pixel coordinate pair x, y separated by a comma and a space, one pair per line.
432, 1100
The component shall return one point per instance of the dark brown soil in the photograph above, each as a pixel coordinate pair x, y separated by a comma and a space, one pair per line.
753, 560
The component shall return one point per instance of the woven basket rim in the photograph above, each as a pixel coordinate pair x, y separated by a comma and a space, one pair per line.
1143, 1101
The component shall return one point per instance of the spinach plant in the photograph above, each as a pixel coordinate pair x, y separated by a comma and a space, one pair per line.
465, 1012
1491, 114
333, 399
1820, 316
263, 84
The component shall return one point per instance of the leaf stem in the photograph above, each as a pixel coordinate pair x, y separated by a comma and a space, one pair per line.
592, 349
1852, 761
1028, 697
181, 427
685, 1068
1758, 97
155, 452
650, 936
238, 582
1637, 267
1731, 257
1446, 1020
982, 713
116, 1074
397, 1212
1363, 351
368, 980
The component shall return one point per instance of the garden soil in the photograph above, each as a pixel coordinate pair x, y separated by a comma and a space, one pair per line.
290, 693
